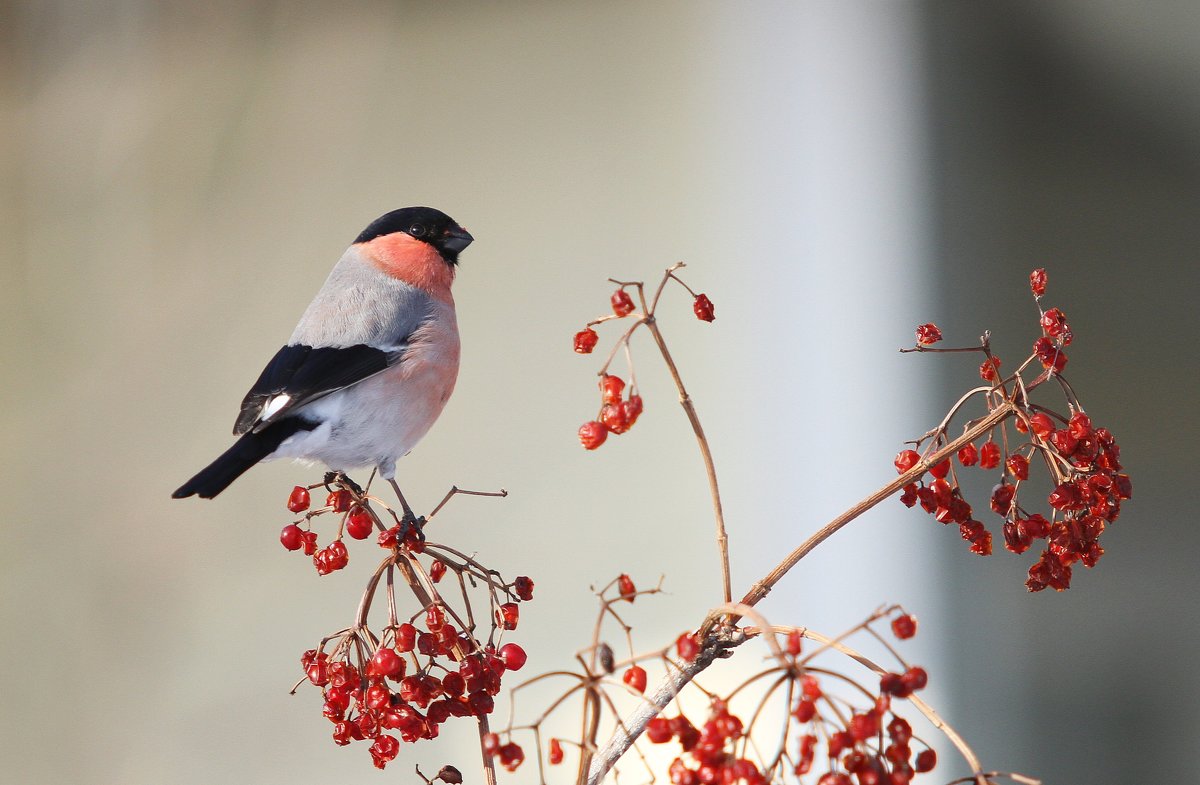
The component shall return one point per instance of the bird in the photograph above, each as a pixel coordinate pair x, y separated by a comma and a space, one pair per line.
370, 365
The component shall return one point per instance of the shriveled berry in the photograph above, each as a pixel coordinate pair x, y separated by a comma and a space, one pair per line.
611, 388
339, 500
292, 538
989, 455
1080, 425
968, 454
1037, 282
384, 750
437, 571
592, 435
905, 460
1054, 324
1018, 466
904, 626
1050, 355
703, 308
928, 334
555, 754
794, 639
622, 303
1041, 424
626, 588
299, 500
612, 417
523, 586
989, 369
632, 409
585, 340
508, 614
635, 677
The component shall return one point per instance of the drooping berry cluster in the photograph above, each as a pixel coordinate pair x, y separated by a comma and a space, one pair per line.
401, 683
356, 521
617, 413
1083, 461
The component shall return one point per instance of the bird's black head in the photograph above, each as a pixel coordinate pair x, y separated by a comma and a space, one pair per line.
425, 224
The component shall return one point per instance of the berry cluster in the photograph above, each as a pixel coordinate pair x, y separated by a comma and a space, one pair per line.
402, 683
865, 745
617, 413
1083, 461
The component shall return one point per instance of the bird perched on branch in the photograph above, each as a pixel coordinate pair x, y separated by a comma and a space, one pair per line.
370, 365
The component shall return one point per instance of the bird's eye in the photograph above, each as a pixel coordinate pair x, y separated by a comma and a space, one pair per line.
416, 230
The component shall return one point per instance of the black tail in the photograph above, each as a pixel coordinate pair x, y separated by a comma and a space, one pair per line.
234, 462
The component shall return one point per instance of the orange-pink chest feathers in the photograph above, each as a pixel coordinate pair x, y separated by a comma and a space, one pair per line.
417, 263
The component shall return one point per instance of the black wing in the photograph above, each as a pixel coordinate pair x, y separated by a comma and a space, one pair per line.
305, 374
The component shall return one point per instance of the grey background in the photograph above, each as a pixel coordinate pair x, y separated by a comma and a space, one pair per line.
178, 178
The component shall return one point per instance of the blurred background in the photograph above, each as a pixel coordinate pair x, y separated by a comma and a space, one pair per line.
177, 179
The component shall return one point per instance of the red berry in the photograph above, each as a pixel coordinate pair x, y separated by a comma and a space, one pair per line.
864, 726
332, 558
794, 639
989, 369
626, 588
635, 677
514, 656
585, 340
555, 756
523, 586
1002, 498
386, 663
989, 455
631, 409
905, 460
904, 626
310, 542
435, 618
915, 678
611, 388
592, 435
360, 523
940, 470
384, 750
292, 537
612, 417
1037, 282
687, 646
928, 334
968, 455
511, 756
339, 500
437, 571
1054, 324
926, 760
1080, 425
1050, 355
658, 730
491, 744
805, 710
622, 303
1018, 466
1041, 424
299, 500
703, 308
508, 615
809, 687
406, 637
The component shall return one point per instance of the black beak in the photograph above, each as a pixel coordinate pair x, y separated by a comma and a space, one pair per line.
456, 240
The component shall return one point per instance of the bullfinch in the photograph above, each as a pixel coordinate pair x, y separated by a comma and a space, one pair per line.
370, 365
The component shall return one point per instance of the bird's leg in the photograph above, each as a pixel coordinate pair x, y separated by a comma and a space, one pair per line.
409, 519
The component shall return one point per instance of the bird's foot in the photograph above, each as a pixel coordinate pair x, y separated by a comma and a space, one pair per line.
343, 479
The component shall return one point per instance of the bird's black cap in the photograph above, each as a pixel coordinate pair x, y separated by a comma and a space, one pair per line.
424, 223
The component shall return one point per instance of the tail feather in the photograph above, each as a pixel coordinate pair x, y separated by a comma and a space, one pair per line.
237, 460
